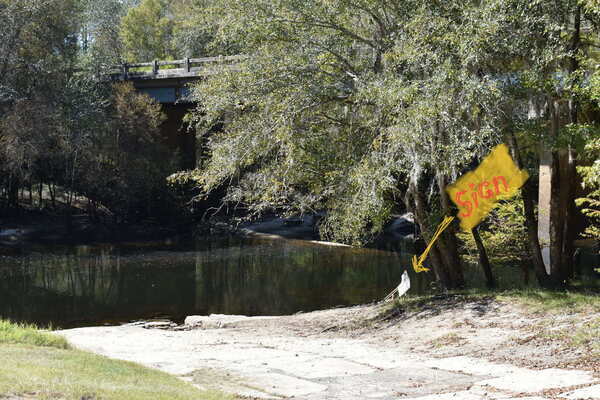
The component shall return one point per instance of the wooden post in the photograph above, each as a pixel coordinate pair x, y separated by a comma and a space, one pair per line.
155, 67
544, 204
187, 65
125, 67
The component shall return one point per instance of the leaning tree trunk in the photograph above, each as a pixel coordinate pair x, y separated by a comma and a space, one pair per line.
439, 268
484, 261
439, 255
448, 238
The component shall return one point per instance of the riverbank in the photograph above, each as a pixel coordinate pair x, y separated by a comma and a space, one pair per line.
43, 228
540, 345
39, 365
46, 227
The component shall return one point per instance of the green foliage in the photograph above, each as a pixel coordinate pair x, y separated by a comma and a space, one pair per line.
38, 44
38, 50
147, 31
129, 160
101, 44
329, 114
590, 168
358, 107
198, 28
590, 204
65, 129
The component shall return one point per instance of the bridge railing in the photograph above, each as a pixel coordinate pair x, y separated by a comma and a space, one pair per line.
188, 67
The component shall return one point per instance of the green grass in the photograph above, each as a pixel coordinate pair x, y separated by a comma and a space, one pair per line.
588, 336
11, 333
533, 300
547, 301
585, 337
42, 365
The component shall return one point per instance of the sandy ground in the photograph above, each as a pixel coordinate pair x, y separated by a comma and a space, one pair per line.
451, 348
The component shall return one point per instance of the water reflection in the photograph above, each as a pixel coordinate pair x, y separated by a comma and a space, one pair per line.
85, 285
94, 284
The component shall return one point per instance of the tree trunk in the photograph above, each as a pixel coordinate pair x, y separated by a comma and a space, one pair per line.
558, 192
40, 195
530, 219
52, 191
448, 238
13, 193
558, 198
439, 255
570, 161
484, 261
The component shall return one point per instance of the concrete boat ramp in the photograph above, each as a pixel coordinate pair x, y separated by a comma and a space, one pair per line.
228, 354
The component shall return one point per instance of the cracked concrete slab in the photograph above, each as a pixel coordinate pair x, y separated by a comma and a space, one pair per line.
217, 320
497, 395
537, 381
319, 367
587, 393
464, 395
474, 366
285, 385
392, 384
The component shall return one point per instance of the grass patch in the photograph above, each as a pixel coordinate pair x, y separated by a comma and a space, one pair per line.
588, 336
533, 300
438, 303
41, 365
584, 336
547, 301
11, 333
447, 340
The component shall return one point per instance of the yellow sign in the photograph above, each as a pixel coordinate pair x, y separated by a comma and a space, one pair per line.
478, 191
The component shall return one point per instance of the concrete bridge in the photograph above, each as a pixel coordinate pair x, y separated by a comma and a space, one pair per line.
168, 82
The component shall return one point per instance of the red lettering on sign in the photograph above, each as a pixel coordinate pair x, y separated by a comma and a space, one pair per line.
479, 191
465, 204
496, 184
488, 192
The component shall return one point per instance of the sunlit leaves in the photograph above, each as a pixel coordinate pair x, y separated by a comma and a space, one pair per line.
147, 31
341, 103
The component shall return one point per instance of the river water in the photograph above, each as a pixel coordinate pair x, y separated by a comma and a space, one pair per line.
69, 286
80, 285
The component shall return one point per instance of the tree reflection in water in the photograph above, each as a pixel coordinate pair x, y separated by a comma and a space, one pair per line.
81, 285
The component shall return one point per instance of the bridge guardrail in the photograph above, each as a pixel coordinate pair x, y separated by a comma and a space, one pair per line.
187, 67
